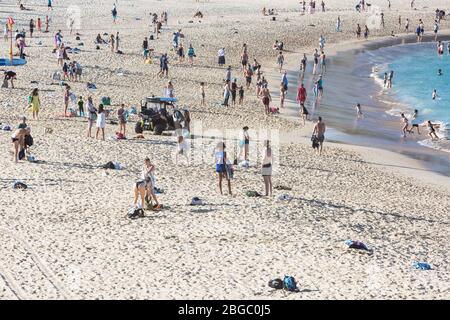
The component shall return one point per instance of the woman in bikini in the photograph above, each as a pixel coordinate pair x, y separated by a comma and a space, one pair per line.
144, 188
18, 140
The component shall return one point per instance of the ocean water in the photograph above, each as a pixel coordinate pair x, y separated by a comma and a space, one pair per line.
415, 77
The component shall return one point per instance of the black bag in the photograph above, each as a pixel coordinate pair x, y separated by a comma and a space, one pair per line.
21, 154
109, 165
276, 284
20, 185
138, 128
29, 140
315, 142
135, 213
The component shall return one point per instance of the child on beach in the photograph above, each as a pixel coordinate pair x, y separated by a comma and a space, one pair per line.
101, 122
280, 60
405, 124
81, 106
121, 115
241, 95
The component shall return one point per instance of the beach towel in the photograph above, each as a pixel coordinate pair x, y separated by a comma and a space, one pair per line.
421, 266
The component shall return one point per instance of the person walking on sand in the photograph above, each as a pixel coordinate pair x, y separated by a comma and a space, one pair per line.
226, 93
319, 132
316, 61
221, 57
338, 24
191, 54
39, 24
112, 41
67, 94
266, 169
203, 94
303, 113
321, 42
32, 25
117, 40
358, 31
220, 156
280, 60
49, 5
122, 116
114, 13
435, 30
405, 124
285, 81
407, 26
282, 94
101, 122
92, 116
323, 66
35, 103
244, 144
241, 95
234, 88
366, 32
301, 94
266, 98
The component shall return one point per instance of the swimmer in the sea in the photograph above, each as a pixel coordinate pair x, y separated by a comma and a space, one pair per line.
440, 72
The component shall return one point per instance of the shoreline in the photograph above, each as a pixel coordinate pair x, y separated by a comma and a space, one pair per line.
433, 164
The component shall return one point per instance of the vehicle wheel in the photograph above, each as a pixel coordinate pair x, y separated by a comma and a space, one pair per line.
158, 130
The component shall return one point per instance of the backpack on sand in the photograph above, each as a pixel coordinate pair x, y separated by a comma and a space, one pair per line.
276, 284
289, 284
134, 213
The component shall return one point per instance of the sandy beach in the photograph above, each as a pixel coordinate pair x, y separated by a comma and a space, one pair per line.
68, 237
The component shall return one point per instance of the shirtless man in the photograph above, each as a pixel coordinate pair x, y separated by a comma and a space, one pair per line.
319, 132
266, 98
413, 122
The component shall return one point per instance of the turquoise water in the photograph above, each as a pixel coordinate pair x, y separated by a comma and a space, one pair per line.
415, 77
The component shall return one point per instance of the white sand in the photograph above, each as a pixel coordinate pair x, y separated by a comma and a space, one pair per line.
67, 236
